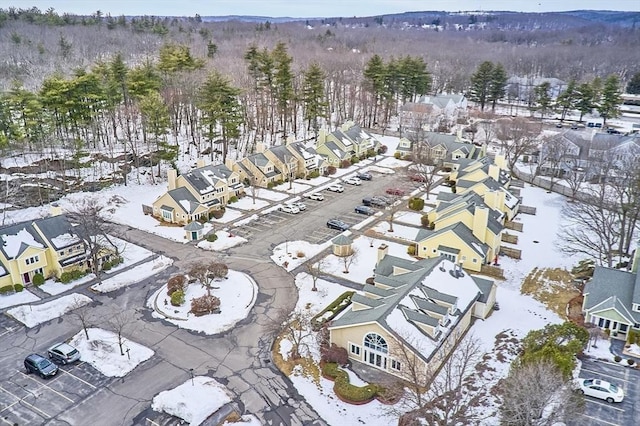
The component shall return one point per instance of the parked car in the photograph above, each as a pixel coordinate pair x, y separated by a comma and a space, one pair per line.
300, 205
315, 196
63, 353
364, 176
395, 191
336, 188
382, 199
601, 389
289, 208
36, 363
373, 201
365, 210
352, 181
337, 224
418, 178
574, 127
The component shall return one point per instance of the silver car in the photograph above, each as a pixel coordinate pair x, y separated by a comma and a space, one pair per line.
63, 353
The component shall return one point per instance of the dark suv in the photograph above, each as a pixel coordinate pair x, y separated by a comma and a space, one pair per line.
373, 201
40, 365
337, 224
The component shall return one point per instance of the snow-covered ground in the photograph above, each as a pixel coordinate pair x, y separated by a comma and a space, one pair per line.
402, 232
237, 296
194, 400
224, 241
292, 254
248, 203
32, 315
133, 275
102, 351
14, 299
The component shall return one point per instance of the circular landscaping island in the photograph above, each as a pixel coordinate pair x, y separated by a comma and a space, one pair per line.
226, 301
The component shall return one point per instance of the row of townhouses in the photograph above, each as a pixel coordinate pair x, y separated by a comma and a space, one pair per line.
194, 195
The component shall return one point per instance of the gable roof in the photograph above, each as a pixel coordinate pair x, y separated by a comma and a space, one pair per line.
613, 288
403, 308
58, 231
185, 199
462, 231
16, 238
204, 179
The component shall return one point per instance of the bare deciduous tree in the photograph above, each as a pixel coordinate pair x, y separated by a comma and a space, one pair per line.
208, 273
83, 314
296, 328
537, 394
517, 136
349, 259
446, 395
93, 228
119, 322
315, 270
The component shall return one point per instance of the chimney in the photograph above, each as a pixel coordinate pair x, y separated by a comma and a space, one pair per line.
480, 221
172, 177
382, 252
290, 139
322, 137
55, 209
501, 161
494, 172
495, 199
200, 163
259, 147
229, 163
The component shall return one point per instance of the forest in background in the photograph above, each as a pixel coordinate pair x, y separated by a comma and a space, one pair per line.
130, 87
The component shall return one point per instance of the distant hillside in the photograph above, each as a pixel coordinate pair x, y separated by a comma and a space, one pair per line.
487, 19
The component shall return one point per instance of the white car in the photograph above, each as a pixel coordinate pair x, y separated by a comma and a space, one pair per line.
353, 181
289, 208
336, 188
601, 389
300, 205
315, 196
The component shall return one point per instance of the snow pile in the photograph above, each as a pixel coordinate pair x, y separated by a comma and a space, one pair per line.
102, 351
194, 400
32, 315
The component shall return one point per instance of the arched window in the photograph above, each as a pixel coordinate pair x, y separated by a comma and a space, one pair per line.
376, 342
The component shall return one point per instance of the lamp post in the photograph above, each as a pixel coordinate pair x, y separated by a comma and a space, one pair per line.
191, 372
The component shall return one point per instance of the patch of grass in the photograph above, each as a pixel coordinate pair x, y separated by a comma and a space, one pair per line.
553, 287
310, 368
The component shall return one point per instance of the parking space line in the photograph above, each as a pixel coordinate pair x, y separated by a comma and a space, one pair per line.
600, 420
151, 421
8, 330
22, 401
605, 375
604, 405
82, 380
50, 388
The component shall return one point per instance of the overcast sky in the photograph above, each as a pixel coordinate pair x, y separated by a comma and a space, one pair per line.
309, 8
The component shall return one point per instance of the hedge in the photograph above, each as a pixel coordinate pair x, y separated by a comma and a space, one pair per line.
6, 289
334, 307
67, 277
18, 287
416, 203
344, 389
38, 280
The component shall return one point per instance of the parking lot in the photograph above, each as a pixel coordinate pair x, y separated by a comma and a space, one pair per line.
598, 412
310, 224
27, 399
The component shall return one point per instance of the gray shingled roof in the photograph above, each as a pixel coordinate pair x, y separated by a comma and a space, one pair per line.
204, 178
463, 232
194, 226
183, 194
14, 230
56, 226
610, 288
485, 286
342, 240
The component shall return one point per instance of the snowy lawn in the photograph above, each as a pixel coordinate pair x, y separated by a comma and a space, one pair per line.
237, 296
381, 170
247, 203
102, 351
539, 240
267, 194
194, 400
13, 299
294, 253
54, 287
402, 232
391, 142
410, 218
133, 275
294, 188
320, 180
225, 240
229, 216
246, 220
392, 163
601, 350
365, 259
32, 315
